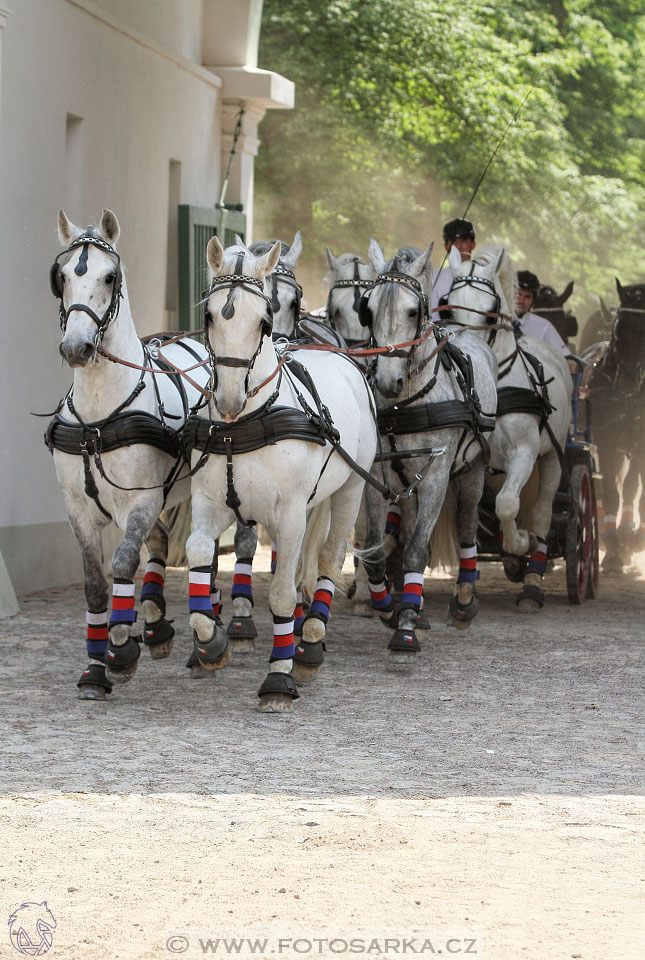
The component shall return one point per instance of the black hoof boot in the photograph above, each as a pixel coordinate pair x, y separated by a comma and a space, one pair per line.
308, 660
214, 654
530, 599
242, 633
462, 615
158, 637
514, 568
403, 646
197, 672
93, 684
277, 693
121, 662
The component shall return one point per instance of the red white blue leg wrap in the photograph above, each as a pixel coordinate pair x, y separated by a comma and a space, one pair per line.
122, 602
283, 641
468, 572
97, 633
242, 580
298, 615
153, 579
273, 556
323, 596
412, 590
380, 596
199, 590
393, 520
537, 560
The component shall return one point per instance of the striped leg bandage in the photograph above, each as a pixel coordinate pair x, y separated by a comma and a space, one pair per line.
273, 556
298, 615
468, 572
412, 590
242, 580
537, 560
122, 602
380, 596
323, 596
199, 591
97, 633
283, 641
393, 520
153, 579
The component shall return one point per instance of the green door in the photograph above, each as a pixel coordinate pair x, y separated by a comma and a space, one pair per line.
196, 225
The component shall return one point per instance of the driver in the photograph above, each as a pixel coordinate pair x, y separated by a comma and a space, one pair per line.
457, 233
529, 323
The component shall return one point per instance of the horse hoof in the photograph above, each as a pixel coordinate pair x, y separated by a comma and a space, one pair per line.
161, 650
121, 676
90, 691
275, 703
462, 614
121, 661
210, 667
197, 672
215, 653
303, 673
362, 608
401, 656
530, 599
514, 568
612, 564
246, 645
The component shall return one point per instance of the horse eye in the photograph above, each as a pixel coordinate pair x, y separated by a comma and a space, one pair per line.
412, 312
109, 280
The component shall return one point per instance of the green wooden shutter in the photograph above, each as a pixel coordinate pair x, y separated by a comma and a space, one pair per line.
196, 225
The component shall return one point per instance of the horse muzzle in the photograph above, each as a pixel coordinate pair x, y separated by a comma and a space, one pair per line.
76, 354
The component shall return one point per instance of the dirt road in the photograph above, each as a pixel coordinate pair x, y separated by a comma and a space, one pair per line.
486, 801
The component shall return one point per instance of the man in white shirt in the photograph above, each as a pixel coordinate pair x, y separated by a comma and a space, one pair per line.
529, 323
457, 233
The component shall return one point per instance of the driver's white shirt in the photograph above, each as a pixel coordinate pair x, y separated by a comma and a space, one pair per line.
533, 325
441, 284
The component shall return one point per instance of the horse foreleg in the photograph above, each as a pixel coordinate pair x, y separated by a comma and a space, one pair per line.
158, 632
518, 466
464, 604
278, 691
123, 649
93, 683
241, 629
612, 463
373, 556
531, 598
210, 640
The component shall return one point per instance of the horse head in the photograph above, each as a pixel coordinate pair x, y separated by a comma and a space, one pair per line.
395, 310
483, 287
550, 305
238, 319
286, 292
627, 339
87, 279
348, 278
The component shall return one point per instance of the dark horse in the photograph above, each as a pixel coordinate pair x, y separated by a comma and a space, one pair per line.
618, 408
550, 305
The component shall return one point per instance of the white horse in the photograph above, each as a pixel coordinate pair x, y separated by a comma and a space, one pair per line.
432, 398
265, 454
532, 418
286, 297
115, 442
348, 278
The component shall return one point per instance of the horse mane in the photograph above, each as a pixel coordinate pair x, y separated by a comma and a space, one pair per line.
345, 259
403, 256
260, 247
506, 279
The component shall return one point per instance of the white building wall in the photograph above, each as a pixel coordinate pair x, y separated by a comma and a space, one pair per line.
96, 100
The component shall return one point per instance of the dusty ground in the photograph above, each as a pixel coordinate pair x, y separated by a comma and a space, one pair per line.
486, 801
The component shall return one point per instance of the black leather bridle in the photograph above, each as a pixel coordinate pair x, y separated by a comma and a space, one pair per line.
232, 282
410, 283
470, 280
57, 288
359, 285
282, 274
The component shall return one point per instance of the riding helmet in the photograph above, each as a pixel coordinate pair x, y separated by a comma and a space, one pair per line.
458, 229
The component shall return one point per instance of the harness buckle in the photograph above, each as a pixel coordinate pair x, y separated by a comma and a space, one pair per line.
154, 346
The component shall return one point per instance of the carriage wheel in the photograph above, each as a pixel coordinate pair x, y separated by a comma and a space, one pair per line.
578, 535
594, 560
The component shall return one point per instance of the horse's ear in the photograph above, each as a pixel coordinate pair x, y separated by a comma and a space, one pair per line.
604, 309
290, 259
377, 259
619, 288
422, 264
267, 264
332, 261
214, 254
67, 231
566, 293
500, 260
240, 242
454, 261
110, 226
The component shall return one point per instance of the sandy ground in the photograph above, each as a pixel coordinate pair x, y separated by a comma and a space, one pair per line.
486, 801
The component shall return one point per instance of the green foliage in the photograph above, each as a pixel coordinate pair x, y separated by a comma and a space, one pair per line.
401, 104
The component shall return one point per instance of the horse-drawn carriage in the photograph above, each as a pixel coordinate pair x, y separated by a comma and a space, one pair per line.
574, 533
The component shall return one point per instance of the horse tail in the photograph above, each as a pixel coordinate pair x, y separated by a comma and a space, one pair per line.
444, 545
528, 498
316, 533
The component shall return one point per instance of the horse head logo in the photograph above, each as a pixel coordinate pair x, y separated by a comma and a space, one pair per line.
31, 929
